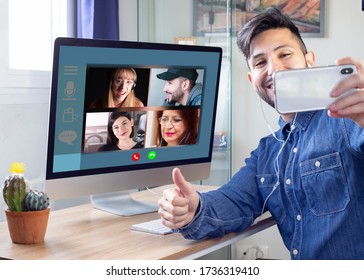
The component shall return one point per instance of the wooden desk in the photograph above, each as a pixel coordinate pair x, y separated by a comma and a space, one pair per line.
83, 232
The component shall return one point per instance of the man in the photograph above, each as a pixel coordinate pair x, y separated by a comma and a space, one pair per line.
181, 87
309, 175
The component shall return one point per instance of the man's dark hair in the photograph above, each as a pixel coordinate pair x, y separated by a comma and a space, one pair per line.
272, 18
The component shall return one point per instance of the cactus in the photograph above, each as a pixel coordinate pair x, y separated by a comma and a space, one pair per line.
14, 191
18, 195
36, 201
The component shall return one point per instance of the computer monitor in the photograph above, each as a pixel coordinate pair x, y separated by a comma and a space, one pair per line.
90, 153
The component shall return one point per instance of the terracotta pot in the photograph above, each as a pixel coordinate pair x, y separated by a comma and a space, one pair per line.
27, 227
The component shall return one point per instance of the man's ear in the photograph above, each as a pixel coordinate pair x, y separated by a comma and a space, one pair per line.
310, 59
250, 77
186, 84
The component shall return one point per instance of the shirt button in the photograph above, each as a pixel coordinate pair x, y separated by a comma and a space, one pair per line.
317, 164
295, 252
298, 217
295, 150
293, 127
262, 180
288, 181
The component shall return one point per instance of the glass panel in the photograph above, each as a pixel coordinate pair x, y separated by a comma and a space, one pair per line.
202, 22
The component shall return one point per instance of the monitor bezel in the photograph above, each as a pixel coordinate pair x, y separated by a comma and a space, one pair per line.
52, 176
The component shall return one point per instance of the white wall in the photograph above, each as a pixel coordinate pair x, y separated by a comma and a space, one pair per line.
128, 10
23, 139
343, 37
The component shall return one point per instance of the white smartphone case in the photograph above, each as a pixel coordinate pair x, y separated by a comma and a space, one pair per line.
308, 89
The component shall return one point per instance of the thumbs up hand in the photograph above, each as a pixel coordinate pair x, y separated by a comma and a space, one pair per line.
178, 205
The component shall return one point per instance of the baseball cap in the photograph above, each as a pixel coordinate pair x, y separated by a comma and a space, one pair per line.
173, 73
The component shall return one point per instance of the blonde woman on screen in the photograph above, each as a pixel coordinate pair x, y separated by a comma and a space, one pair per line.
120, 90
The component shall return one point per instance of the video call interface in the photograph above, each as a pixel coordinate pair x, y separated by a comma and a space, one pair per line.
152, 128
153, 122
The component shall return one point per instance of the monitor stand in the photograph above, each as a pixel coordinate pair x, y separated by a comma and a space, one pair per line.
122, 203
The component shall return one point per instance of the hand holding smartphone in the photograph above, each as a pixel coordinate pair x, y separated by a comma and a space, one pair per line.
308, 89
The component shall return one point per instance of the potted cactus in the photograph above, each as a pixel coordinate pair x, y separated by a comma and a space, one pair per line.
28, 211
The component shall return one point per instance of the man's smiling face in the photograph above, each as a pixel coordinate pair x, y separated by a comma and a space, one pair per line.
271, 51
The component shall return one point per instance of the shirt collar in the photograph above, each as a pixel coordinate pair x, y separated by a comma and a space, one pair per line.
301, 122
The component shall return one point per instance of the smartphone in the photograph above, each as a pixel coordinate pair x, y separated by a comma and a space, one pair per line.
308, 89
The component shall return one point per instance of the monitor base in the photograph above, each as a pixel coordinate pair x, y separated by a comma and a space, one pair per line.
122, 203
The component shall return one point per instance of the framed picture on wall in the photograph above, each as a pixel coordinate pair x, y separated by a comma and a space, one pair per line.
214, 16
185, 40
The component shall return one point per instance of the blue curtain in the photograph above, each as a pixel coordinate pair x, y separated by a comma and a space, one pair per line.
98, 19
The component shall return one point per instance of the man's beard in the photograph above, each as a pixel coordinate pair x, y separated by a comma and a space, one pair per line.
176, 97
264, 96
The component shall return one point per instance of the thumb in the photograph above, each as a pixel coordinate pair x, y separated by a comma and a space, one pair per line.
185, 187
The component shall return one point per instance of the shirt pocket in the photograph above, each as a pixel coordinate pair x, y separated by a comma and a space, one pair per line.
274, 203
324, 184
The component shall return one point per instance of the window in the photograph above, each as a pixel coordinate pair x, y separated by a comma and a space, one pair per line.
28, 29
33, 26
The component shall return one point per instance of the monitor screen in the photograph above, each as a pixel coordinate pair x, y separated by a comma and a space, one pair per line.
124, 114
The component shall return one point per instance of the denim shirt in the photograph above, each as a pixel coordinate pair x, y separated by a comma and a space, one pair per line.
318, 203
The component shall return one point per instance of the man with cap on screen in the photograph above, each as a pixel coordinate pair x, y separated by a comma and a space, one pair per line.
181, 87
